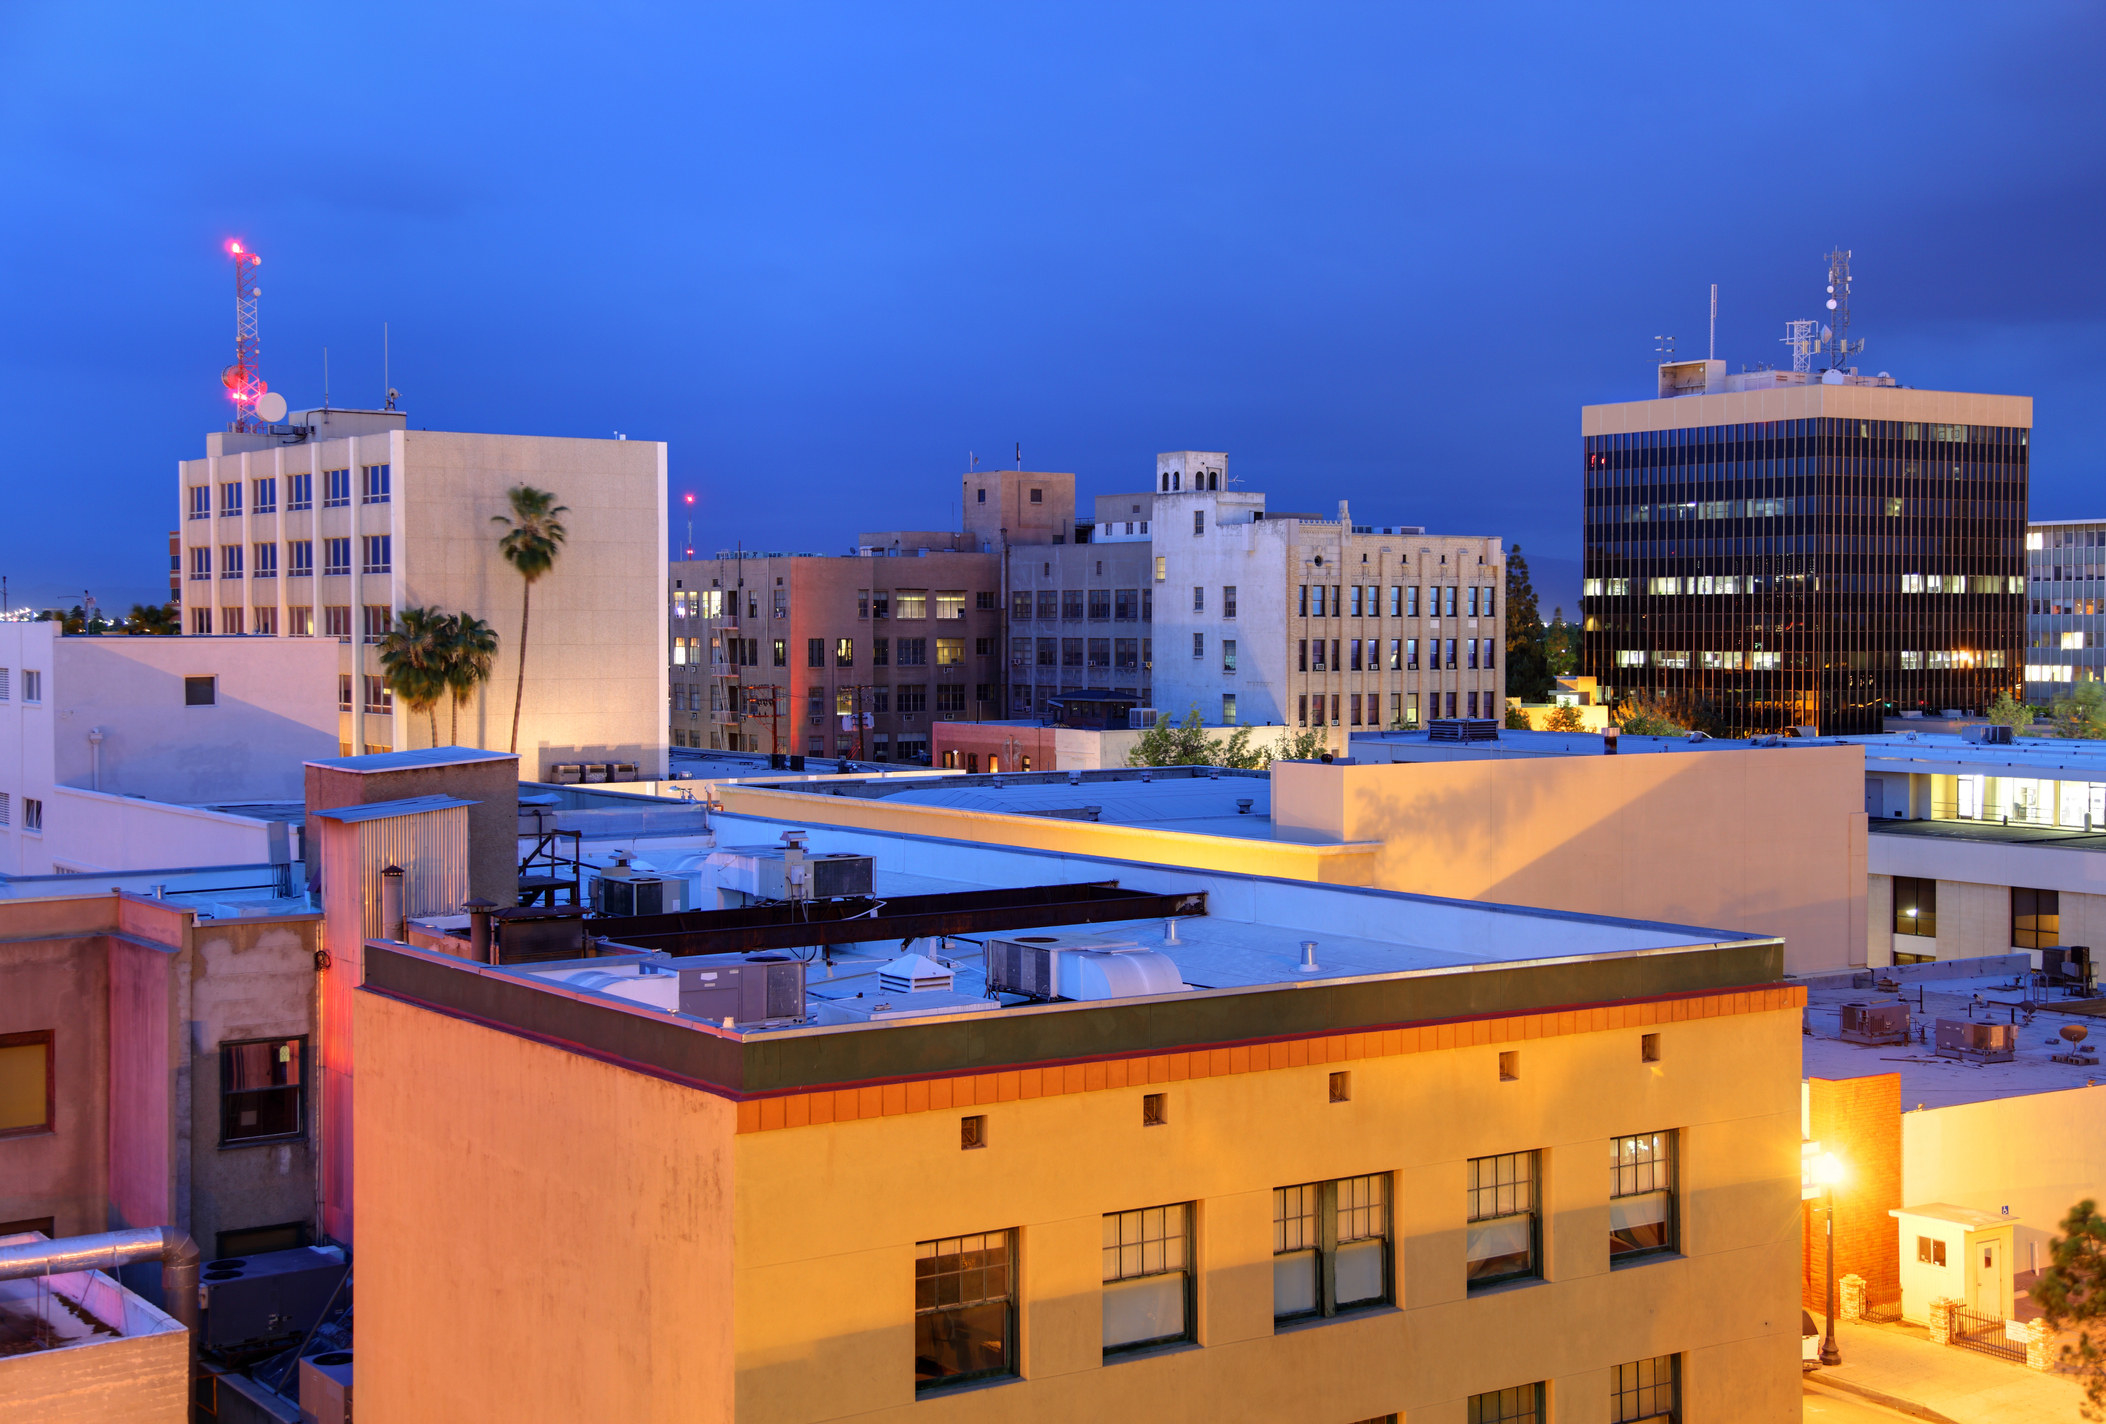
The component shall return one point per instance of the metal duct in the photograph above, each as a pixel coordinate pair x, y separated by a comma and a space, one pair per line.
174, 1249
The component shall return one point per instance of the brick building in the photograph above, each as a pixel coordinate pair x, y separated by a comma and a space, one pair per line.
1859, 1120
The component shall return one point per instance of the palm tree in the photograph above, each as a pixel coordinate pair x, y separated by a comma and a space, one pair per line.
413, 658
157, 618
531, 547
471, 654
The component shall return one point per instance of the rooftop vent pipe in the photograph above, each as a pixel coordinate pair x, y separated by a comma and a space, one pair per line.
174, 1249
1243, 805
1308, 956
391, 902
479, 929
1091, 813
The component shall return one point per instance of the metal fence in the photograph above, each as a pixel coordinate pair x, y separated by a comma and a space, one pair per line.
1972, 1330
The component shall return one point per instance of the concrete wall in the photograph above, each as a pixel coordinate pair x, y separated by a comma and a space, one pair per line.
100, 830
491, 783
1069, 748
138, 1380
2034, 1155
791, 1250
58, 981
1974, 920
1766, 841
601, 1218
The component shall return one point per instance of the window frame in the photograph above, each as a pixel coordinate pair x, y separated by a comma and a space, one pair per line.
298, 1090
1530, 1406
49, 1038
1914, 900
2041, 905
1626, 1181
1480, 1194
1009, 1367
1639, 1409
1188, 1293
1325, 1215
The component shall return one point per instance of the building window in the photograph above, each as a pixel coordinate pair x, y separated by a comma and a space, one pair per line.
1199, 521
299, 492
1301, 710
1647, 1392
376, 491
266, 565
1228, 600
201, 621
230, 561
32, 814
964, 1309
1199, 598
1930, 1251
1038, 496
336, 623
379, 696
379, 618
1199, 645
299, 558
336, 556
230, 622
259, 1090
200, 692
336, 489
200, 501
913, 698
379, 548
950, 652
1504, 1240
343, 693
910, 603
1642, 1196
950, 603
1228, 654
1147, 1277
1330, 1246
844, 652
1228, 709
1915, 906
266, 497
26, 1091
913, 652
815, 652
2036, 918
230, 497
1162, 568
1448, 601
299, 620
201, 562
1523, 1404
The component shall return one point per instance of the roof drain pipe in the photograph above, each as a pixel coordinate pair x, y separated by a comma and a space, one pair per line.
174, 1249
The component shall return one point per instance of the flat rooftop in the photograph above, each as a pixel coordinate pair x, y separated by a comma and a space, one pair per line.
1928, 1081
1203, 800
1989, 831
2048, 758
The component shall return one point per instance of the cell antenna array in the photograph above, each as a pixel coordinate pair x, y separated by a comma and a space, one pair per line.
244, 380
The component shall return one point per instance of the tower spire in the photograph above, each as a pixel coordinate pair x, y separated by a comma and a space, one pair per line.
243, 379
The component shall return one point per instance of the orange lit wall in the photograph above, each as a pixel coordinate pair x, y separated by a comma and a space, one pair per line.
1859, 1120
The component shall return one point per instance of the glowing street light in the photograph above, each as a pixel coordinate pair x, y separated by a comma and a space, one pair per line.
1828, 1171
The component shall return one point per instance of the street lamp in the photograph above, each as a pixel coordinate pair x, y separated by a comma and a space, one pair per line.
1828, 1170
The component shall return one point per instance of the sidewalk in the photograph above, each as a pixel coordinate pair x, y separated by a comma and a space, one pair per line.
1897, 1365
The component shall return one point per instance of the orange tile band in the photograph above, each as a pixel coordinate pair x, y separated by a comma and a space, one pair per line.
943, 1094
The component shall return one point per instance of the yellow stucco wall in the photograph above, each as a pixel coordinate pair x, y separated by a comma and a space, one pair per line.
542, 1236
1771, 842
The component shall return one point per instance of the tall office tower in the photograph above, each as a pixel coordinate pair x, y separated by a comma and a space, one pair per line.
2066, 606
1780, 549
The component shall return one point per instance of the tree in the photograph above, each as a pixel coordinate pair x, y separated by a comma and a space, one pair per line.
1645, 716
2071, 1293
1561, 645
1527, 668
1165, 744
471, 654
153, 618
2008, 711
1308, 745
2082, 713
536, 536
413, 657
1516, 719
1562, 719
1239, 755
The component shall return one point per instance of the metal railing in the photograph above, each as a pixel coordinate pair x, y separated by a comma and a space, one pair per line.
1972, 1330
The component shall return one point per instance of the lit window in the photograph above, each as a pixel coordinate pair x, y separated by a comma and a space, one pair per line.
964, 1308
260, 1090
1503, 1240
1642, 1196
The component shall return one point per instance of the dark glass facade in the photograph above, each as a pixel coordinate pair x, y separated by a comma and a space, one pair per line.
1823, 572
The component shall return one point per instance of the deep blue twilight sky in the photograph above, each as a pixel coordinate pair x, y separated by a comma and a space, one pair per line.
1380, 252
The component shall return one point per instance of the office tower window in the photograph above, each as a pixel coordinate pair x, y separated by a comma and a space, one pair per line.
1126, 655
376, 486
1451, 703
266, 563
1647, 1392
379, 618
1301, 711
1504, 1237
230, 497
260, 1085
1126, 605
1488, 644
201, 562
264, 620
1147, 1277
844, 652
1330, 1244
336, 489
913, 699
1356, 601
299, 492
911, 652
201, 621
1199, 645
1334, 709
964, 1309
815, 652
336, 556
379, 696
230, 561
1316, 601
2036, 918
1523, 1404
1642, 1216
32, 814
230, 622
200, 501
299, 620
299, 558
1915, 906
379, 550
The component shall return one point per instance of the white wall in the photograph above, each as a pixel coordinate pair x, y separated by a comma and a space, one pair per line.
2035, 1155
95, 830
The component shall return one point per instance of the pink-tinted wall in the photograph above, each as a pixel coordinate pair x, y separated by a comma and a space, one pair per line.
142, 1120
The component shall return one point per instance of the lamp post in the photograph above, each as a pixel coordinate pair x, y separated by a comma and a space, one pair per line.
1828, 1170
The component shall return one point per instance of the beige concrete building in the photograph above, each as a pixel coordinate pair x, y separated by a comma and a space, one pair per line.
1445, 1154
333, 530
852, 656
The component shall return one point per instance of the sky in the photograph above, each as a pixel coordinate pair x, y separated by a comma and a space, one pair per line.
829, 253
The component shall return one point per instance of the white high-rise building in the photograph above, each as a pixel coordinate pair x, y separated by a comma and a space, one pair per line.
331, 524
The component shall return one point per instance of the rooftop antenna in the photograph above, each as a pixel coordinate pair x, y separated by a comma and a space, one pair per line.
1020, 454
1836, 335
1801, 337
385, 383
1664, 346
1713, 355
243, 380
325, 378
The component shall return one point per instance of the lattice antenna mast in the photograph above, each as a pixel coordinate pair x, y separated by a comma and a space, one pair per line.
1800, 336
1836, 335
244, 379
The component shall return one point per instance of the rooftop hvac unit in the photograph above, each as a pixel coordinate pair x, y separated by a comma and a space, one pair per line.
273, 1295
1977, 1042
638, 895
1079, 967
914, 974
1875, 1023
325, 1387
1462, 729
1989, 734
764, 872
2067, 965
1140, 719
748, 989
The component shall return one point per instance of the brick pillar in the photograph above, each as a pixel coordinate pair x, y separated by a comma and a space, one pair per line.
2040, 1346
1853, 1288
1858, 1119
1941, 1322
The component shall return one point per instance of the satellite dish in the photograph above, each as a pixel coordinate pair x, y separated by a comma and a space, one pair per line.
270, 407
1831, 303
1831, 289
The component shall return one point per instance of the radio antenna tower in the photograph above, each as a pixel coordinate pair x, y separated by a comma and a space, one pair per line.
243, 379
1836, 335
1800, 336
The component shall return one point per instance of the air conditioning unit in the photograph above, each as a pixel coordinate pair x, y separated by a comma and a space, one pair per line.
1875, 1023
1079, 967
638, 895
1977, 1042
914, 974
1462, 729
272, 1295
1140, 719
325, 1387
1991, 734
763, 873
747, 989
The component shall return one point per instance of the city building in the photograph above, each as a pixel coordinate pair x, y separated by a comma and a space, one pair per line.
2065, 606
850, 656
1780, 549
332, 530
1278, 1149
155, 1067
131, 753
